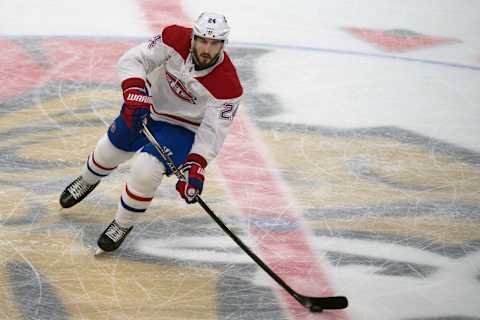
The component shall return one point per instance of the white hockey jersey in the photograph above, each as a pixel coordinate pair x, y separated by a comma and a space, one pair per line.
204, 101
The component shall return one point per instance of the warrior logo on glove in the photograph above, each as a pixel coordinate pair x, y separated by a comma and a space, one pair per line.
137, 102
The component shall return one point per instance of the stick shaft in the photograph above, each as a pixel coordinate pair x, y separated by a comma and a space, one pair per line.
163, 153
222, 225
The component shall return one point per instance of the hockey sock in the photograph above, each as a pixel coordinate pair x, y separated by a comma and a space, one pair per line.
103, 160
145, 176
131, 206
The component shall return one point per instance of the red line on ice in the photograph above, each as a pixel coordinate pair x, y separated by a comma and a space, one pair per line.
159, 14
282, 239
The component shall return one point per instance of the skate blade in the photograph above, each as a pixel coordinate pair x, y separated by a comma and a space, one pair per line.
99, 252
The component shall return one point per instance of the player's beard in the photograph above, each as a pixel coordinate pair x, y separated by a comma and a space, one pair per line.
204, 60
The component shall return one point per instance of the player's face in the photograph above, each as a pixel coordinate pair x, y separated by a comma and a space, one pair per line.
206, 50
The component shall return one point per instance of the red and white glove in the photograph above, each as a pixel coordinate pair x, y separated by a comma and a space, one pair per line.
136, 104
193, 169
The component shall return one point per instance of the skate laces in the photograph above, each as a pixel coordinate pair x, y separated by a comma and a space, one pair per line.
78, 188
115, 231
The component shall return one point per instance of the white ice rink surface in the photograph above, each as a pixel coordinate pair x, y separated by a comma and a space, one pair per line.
348, 88
330, 88
345, 89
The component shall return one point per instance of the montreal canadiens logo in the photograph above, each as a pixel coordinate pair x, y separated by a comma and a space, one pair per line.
179, 89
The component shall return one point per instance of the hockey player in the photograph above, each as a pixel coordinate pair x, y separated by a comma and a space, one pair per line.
184, 85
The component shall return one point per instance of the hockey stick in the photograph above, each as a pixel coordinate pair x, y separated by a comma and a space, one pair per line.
315, 304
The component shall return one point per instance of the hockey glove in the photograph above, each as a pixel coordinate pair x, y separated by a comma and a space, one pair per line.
193, 169
136, 104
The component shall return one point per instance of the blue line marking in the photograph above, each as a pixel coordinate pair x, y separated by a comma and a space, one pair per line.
355, 53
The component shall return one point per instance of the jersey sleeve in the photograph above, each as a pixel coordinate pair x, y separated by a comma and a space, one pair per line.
142, 59
214, 128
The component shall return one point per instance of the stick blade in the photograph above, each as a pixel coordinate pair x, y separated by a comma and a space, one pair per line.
325, 303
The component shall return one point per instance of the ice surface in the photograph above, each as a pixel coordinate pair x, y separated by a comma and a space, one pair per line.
350, 170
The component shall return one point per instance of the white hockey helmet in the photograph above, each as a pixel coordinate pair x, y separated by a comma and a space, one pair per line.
212, 26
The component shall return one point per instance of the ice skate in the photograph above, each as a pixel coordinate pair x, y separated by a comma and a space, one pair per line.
112, 237
76, 192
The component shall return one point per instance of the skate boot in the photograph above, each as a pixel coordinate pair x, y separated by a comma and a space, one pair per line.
113, 236
76, 192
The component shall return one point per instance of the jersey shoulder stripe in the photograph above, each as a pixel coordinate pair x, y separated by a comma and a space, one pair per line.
223, 81
179, 38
